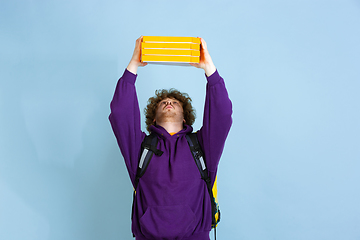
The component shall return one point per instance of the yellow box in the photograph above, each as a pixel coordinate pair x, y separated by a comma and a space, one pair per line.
171, 39
160, 58
158, 49
192, 46
165, 51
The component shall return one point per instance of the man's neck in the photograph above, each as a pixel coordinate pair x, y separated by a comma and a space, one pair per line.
171, 127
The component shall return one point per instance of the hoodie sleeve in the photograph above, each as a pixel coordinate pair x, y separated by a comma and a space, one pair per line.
217, 121
125, 121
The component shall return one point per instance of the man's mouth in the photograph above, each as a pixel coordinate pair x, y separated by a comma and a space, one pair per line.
168, 106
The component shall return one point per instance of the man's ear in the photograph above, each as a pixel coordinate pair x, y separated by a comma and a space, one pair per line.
184, 120
154, 120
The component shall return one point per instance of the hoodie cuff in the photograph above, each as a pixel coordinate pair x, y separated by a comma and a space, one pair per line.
213, 78
129, 76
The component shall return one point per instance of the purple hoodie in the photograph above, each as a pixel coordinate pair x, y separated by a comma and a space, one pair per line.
172, 201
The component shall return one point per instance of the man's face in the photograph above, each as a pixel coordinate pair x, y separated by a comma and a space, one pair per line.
169, 110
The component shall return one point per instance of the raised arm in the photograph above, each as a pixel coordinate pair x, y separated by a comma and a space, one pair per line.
125, 114
217, 118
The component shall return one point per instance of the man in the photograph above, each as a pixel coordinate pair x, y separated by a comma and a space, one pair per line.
172, 201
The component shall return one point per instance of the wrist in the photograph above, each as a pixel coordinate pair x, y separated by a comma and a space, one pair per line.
209, 70
132, 67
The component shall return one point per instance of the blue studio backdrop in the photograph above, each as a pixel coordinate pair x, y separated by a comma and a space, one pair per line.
290, 168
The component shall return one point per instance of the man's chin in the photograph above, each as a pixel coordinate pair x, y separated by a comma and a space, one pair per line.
169, 116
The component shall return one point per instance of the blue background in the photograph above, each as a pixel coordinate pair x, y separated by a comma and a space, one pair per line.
290, 168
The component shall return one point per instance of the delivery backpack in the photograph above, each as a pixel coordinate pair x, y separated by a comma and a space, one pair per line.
149, 147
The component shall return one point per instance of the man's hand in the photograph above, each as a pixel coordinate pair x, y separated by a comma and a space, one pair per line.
135, 60
206, 62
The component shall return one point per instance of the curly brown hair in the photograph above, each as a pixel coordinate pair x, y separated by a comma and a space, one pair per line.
161, 94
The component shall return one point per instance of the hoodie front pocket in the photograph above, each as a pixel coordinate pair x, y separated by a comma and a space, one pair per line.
167, 222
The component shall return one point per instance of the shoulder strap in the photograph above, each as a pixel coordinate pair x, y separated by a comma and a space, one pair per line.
197, 153
148, 148
200, 163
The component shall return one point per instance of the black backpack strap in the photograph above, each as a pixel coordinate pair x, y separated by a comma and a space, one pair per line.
148, 148
197, 154
201, 164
